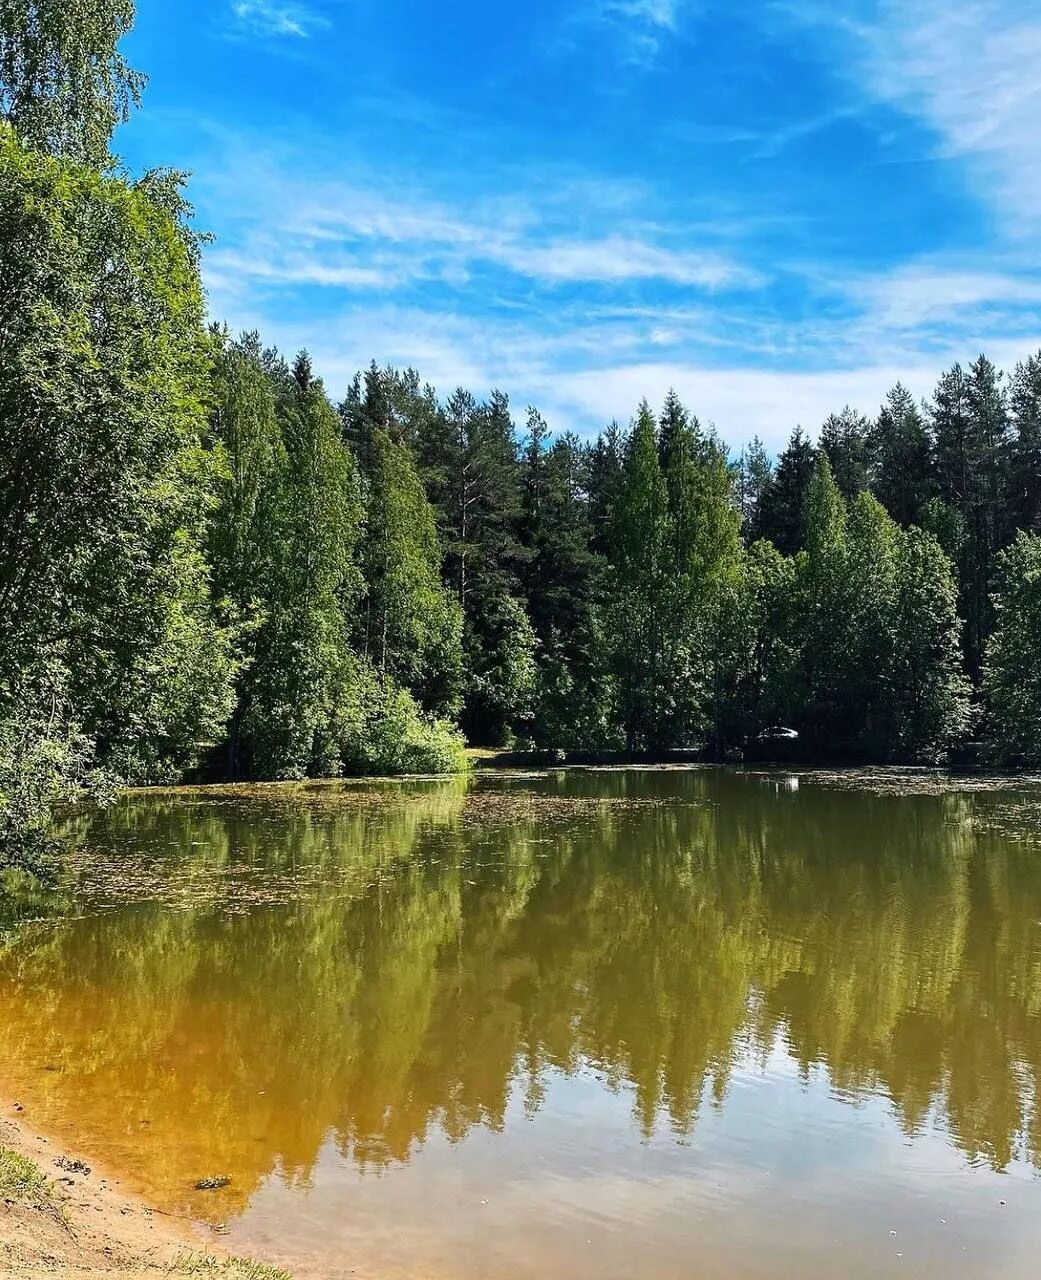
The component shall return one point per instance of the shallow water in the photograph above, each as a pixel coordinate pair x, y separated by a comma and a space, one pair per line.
660, 1023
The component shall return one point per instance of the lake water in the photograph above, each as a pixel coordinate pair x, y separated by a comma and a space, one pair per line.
585, 1025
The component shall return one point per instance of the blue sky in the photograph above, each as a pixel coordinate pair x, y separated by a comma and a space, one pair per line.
774, 207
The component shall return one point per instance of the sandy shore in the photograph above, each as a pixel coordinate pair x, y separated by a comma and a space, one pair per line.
85, 1225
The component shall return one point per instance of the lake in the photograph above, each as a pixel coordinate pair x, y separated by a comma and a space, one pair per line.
661, 1023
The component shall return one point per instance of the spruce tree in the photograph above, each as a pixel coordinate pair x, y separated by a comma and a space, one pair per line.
755, 473
1023, 496
901, 471
564, 590
782, 505
844, 439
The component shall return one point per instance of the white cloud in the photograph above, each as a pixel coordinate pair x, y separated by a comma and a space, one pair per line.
617, 258
920, 294
342, 234
275, 18
968, 70
584, 368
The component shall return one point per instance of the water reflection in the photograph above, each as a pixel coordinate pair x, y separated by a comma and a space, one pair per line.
262, 977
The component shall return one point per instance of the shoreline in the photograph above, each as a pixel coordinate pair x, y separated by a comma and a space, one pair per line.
81, 1223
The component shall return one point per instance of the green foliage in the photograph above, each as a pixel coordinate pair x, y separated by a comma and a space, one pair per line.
900, 465
382, 730
970, 430
203, 561
105, 485
639, 551
23, 1182
204, 1264
45, 762
929, 705
413, 627
783, 501
64, 86
754, 475
1024, 449
1012, 677
877, 632
754, 652
288, 547
844, 441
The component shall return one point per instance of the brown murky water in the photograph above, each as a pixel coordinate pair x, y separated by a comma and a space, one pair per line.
647, 1024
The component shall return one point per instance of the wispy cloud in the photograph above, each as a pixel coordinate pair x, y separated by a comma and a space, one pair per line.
276, 18
640, 25
359, 234
584, 310
969, 71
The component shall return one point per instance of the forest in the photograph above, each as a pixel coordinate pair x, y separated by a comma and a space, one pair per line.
211, 565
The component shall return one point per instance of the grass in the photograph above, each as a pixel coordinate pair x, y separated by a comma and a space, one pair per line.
203, 1264
22, 1182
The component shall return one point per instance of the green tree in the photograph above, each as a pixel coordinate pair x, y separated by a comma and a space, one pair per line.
869, 589
970, 430
564, 582
674, 422
764, 666
638, 591
754, 475
929, 701
64, 85
901, 474
412, 626
1012, 678
1023, 498
106, 486
605, 481
821, 585
307, 576
704, 553
844, 439
781, 516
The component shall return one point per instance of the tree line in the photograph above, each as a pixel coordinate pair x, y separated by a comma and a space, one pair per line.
207, 562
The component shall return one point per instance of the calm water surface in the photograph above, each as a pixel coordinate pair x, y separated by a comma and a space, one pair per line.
647, 1024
